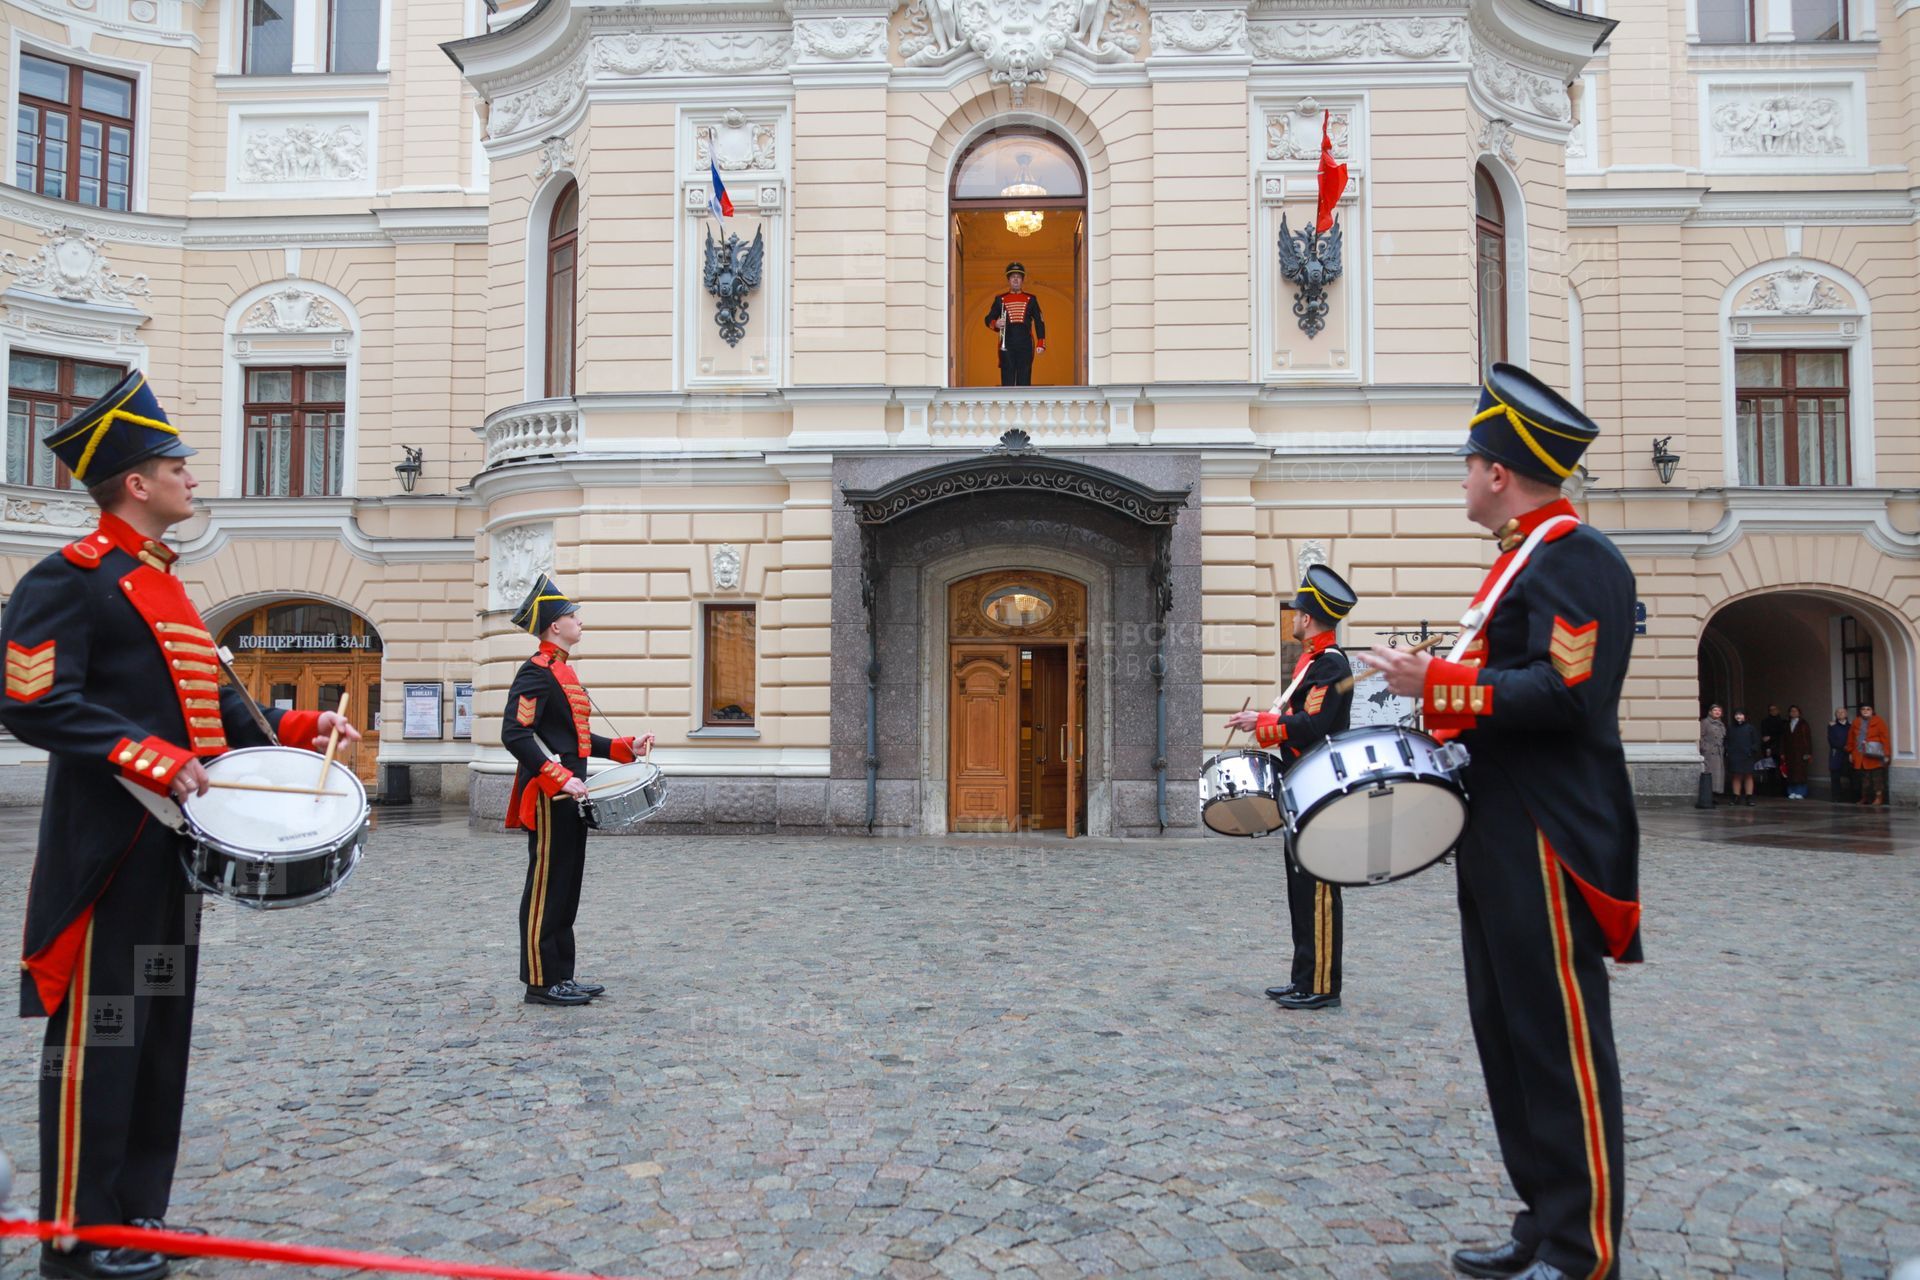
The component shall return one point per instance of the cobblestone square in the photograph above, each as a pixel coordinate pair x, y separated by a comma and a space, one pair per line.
831, 1057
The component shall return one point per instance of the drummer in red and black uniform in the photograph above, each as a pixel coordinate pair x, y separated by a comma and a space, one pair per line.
546, 729
111, 671
1318, 707
1548, 867
1015, 314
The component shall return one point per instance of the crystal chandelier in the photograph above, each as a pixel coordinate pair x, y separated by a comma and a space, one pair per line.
1024, 222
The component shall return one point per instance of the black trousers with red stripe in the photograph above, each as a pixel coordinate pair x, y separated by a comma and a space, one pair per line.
556, 864
1537, 994
1314, 906
113, 1078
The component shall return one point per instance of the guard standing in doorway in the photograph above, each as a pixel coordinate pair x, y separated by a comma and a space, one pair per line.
1023, 334
1318, 708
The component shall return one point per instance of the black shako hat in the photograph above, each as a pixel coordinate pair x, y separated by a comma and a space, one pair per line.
1325, 595
120, 430
1527, 426
545, 605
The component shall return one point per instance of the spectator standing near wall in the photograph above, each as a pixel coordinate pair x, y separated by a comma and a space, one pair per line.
1840, 759
1743, 749
1796, 764
1872, 748
1713, 747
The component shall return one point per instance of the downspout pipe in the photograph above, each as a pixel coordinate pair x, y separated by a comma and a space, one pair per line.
873, 726
1159, 669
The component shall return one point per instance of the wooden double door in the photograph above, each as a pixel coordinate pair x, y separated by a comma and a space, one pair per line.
1017, 758
290, 683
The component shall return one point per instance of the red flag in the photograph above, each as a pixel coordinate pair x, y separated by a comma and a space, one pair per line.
1333, 177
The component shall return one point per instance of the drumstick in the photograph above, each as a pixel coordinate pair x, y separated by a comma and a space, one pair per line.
266, 786
333, 743
1421, 647
1231, 732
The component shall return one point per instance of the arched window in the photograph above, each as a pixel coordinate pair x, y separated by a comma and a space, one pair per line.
1019, 195
1490, 267
563, 242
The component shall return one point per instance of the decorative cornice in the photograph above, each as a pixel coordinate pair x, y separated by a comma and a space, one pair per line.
1592, 207
44, 214
1017, 470
1200, 32
840, 39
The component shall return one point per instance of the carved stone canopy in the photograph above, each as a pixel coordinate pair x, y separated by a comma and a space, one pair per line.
1010, 472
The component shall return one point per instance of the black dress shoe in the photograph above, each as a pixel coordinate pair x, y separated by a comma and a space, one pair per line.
1497, 1263
1274, 993
1307, 1000
590, 988
86, 1263
159, 1224
558, 993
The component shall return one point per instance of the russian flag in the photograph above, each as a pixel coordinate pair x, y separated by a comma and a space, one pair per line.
719, 203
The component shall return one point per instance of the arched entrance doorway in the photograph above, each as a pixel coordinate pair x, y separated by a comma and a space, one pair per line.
306, 654
1017, 662
1815, 649
1019, 195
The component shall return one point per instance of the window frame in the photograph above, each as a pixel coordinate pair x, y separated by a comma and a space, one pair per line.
556, 243
1856, 678
297, 408
1486, 229
246, 40
76, 115
333, 32
708, 609
68, 402
1752, 35
1790, 393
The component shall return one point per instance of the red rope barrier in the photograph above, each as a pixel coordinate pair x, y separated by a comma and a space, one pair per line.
182, 1244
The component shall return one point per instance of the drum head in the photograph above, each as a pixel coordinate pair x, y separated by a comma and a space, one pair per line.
1243, 815
269, 825
1371, 836
622, 778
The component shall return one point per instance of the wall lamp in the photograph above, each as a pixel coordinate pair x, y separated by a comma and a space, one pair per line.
409, 471
1664, 459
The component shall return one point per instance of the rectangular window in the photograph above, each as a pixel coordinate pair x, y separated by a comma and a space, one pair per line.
73, 134
42, 393
1856, 664
730, 677
1819, 19
296, 428
269, 38
1790, 417
353, 35
1726, 21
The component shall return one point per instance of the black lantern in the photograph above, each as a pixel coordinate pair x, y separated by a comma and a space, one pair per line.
1664, 459
409, 471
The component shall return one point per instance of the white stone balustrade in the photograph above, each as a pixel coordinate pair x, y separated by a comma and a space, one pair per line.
531, 430
1050, 415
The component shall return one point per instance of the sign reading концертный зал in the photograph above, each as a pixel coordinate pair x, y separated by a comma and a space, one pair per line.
325, 642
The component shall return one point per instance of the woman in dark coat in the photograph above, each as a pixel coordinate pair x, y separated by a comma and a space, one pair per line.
1743, 748
1796, 760
1839, 758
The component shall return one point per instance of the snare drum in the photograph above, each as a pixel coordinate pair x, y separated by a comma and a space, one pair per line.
269, 850
1240, 793
1374, 804
627, 795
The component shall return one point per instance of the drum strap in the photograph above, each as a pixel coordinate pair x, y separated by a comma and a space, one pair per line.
1475, 619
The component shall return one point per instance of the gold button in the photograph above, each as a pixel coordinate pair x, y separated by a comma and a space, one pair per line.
126, 755
103, 539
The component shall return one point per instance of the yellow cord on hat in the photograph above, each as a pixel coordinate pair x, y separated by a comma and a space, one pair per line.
1526, 437
533, 618
1330, 611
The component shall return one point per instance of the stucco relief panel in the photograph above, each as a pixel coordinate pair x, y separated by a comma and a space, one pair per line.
280, 152
1287, 157
1789, 127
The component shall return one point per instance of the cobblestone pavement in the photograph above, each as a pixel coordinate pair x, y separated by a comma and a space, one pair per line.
830, 1057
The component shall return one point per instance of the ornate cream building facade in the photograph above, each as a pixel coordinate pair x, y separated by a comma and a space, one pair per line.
441, 296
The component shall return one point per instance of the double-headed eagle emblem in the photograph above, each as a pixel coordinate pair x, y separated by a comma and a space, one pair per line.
733, 272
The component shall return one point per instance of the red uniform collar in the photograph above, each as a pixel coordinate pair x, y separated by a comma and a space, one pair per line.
1515, 531
552, 652
1316, 645
150, 551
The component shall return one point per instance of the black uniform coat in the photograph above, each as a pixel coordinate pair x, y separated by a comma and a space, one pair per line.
547, 705
1541, 716
1022, 333
107, 662
1317, 709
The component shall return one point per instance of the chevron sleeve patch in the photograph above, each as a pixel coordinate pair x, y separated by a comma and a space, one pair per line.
1316, 698
1572, 649
523, 710
29, 671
